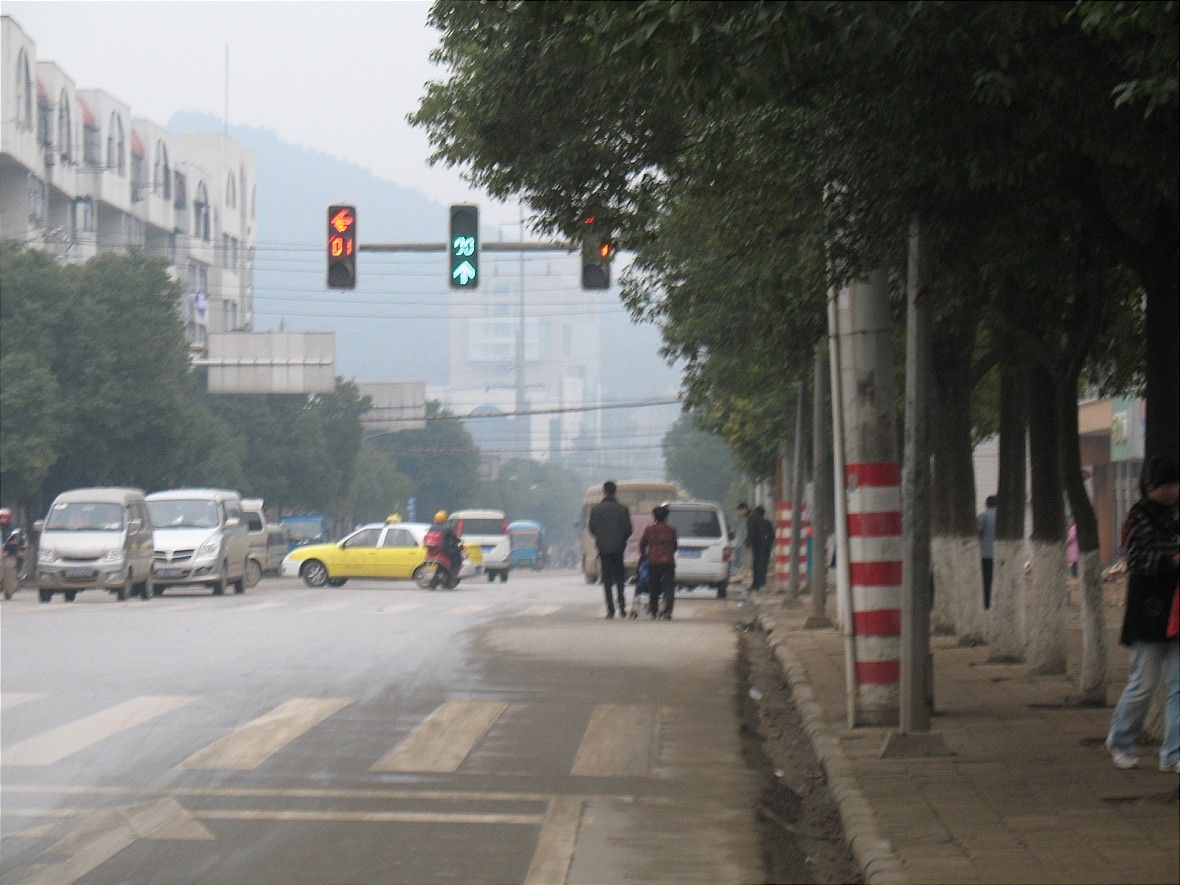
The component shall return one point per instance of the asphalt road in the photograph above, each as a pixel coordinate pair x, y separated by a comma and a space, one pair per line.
372, 733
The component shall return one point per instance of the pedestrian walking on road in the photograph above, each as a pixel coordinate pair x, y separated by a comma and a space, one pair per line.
987, 547
610, 524
760, 540
1151, 541
659, 544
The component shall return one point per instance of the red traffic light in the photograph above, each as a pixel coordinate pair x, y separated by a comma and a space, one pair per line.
343, 220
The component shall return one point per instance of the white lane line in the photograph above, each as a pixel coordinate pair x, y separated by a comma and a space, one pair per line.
429, 817
55, 745
10, 699
540, 611
468, 609
327, 607
618, 742
401, 607
249, 746
257, 607
188, 606
555, 844
444, 739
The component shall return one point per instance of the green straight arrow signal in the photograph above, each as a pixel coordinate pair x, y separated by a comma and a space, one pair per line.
464, 273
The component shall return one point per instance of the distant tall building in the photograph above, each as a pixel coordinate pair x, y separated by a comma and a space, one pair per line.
79, 177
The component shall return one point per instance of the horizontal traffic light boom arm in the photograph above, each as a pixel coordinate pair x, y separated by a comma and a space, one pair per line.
483, 247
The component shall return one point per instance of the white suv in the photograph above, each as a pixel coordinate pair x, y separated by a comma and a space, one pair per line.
705, 548
488, 529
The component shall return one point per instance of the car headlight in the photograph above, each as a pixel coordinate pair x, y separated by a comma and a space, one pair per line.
114, 555
210, 548
46, 554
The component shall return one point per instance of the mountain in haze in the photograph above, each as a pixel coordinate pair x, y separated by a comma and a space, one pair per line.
394, 325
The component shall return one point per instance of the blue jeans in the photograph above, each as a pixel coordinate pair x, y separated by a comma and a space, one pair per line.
1126, 726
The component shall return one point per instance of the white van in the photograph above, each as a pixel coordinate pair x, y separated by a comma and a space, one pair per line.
98, 538
488, 529
706, 549
200, 538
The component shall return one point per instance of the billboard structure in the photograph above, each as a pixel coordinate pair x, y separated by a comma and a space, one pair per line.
397, 405
271, 362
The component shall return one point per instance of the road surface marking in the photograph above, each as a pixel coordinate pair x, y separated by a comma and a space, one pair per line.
328, 607
618, 742
249, 746
299, 814
55, 745
540, 611
188, 606
555, 844
10, 699
104, 833
468, 609
37, 831
443, 740
257, 607
401, 607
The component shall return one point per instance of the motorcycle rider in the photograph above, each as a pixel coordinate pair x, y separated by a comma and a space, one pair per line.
14, 548
441, 537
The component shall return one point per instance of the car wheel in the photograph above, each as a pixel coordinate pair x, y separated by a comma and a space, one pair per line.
503, 577
722, 590
337, 582
157, 589
491, 577
314, 572
71, 595
45, 595
253, 573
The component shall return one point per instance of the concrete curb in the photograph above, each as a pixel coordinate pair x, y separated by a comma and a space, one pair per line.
873, 852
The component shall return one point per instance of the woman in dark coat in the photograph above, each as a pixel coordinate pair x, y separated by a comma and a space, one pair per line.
1150, 539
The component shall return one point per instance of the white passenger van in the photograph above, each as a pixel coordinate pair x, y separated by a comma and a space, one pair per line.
200, 538
705, 547
488, 529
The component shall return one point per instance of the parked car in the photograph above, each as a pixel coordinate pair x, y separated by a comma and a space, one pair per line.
95, 538
200, 538
389, 551
268, 542
706, 548
488, 529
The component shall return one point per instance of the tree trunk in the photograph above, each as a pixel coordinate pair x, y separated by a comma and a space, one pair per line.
1006, 635
822, 517
958, 584
1163, 364
1092, 672
1047, 647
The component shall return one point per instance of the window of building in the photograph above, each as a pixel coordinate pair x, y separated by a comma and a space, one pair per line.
91, 150
231, 191
38, 206
116, 144
44, 124
65, 131
201, 224
84, 215
162, 172
180, 185
138, 177
24, 92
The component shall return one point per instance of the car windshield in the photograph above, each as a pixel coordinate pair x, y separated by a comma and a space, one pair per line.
695, 523
184, 513
482, 526
83, 516
303, 530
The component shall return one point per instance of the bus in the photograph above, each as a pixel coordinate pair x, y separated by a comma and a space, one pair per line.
639, 497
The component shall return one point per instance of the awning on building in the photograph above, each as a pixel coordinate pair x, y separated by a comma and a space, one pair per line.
88, 119
136, 144
42, 93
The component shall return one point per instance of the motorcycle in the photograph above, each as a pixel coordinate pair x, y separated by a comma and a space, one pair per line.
438, 569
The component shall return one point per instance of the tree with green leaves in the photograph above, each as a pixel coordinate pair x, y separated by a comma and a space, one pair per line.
699, 461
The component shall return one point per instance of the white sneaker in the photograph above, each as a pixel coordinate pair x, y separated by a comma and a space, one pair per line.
1123, 760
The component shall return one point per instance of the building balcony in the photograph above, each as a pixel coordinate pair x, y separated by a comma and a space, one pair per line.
106, 186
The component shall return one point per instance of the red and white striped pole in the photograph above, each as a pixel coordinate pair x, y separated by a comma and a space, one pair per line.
782, 544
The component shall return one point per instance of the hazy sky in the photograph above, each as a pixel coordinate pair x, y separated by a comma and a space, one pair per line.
334, 76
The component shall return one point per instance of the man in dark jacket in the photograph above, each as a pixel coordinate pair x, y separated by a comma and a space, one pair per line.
760, 540
610, 524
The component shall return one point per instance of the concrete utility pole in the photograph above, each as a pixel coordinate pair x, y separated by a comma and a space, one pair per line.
913, 737
821, 511
796, 500
874, 496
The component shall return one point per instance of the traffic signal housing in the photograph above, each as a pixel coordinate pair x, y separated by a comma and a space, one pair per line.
597, 251
341, 247
463, 248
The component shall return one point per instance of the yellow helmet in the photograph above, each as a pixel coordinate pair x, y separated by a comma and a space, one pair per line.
394, 517
441, 516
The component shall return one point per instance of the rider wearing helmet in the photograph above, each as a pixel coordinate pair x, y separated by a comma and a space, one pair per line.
447, 540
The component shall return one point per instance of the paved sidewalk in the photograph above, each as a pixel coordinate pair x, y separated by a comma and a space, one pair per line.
1030, 794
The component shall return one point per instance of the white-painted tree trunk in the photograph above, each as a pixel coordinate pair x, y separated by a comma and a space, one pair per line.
1047, 623
1092, 673
958, 574
942, 615
1006, 633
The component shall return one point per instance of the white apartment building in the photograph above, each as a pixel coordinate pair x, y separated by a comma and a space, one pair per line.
80, 176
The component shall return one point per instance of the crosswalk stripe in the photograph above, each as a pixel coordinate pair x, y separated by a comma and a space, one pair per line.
296, 814
257, 607
468, 609
10, 699
401, 607
327, 607
57, 744
444, 739
249, 746
618, 742
188, 606
540, 611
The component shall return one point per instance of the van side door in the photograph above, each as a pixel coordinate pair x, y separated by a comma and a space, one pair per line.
237, 541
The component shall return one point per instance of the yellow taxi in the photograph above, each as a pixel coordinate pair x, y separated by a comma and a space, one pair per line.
380, 551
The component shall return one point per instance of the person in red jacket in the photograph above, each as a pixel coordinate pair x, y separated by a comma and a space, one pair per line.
658, 544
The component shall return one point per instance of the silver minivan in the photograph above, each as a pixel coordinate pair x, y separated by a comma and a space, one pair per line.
200, 538
95, 539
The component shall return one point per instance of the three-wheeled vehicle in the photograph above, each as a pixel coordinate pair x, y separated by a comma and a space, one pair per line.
528, 544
